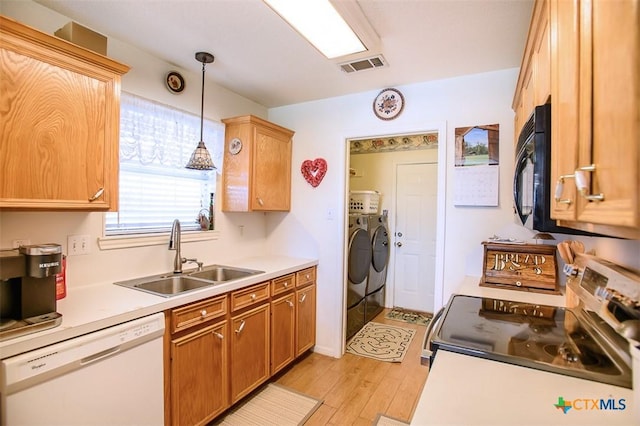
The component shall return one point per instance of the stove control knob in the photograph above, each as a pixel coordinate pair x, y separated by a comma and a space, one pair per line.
603, 293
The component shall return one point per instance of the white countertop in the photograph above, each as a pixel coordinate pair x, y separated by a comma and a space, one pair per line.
90, 308
466, 390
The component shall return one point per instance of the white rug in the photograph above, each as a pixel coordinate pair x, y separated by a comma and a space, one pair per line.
382, 342
274, 405
383, 420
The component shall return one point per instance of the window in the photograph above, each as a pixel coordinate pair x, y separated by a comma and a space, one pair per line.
156, 142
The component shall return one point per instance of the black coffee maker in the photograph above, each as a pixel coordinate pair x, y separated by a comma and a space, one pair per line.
28, 289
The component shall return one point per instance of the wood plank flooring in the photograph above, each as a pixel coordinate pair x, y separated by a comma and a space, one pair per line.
355, 389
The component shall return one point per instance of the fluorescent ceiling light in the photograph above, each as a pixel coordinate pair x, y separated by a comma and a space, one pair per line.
320, 23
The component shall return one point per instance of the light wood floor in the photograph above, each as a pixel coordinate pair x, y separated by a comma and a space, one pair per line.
355, 389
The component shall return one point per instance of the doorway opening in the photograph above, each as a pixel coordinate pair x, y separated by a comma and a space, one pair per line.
395, 167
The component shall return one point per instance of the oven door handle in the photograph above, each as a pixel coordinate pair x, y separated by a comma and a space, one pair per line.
425, 358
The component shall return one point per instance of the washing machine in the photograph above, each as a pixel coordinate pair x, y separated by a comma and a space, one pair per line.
358, 264
379, 239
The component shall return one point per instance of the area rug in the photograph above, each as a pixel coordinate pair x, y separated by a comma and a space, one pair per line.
273, 405
381, 341
405, 315
382, 420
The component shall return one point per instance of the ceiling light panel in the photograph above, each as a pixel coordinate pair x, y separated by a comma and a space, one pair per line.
320, 23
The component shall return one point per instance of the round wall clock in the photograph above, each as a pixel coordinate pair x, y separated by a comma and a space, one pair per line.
174, 82
235, 146
388, 104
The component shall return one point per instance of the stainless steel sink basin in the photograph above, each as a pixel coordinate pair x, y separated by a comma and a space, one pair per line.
220, 273
173, 284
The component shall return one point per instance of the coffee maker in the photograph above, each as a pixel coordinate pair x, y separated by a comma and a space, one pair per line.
28, 289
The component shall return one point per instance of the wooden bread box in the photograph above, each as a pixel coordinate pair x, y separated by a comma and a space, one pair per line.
525, 267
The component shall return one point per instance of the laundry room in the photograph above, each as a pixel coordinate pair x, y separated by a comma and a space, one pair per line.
392, 229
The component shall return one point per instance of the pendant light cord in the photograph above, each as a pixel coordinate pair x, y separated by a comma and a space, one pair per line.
202, 104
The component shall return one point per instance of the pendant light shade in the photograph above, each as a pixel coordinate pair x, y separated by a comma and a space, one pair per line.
201, 159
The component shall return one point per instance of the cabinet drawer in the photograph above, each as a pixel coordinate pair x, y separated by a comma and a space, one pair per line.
282, 284
197, 313
306, 276
248, 296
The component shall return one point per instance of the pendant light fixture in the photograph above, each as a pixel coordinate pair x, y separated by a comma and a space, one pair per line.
201, 159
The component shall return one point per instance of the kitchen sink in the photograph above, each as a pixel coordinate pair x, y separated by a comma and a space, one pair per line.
168, 285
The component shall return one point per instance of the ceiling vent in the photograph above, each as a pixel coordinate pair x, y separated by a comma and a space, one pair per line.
377, 61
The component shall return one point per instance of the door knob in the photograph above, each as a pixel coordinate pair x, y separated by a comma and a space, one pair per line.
398, 244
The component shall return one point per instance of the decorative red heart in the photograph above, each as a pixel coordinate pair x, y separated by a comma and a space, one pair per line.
314, 171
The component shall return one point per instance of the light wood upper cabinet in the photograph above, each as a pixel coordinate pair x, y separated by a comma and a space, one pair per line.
59, 123
596, 114
256, 174
534, 82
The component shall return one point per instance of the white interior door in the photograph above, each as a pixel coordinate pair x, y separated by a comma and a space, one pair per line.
415, 236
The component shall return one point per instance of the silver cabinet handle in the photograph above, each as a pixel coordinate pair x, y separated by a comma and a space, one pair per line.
218, 335
304, 296
560, 190
286, 284
96, 195
581, 183
253, 296
203, 313
260, 201
239, 330
290, 303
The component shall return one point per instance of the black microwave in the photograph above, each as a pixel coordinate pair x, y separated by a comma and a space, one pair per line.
532, 175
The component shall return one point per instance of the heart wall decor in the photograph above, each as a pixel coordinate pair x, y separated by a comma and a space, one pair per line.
314, 171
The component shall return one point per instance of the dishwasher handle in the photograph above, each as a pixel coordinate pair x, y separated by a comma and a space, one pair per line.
427, 353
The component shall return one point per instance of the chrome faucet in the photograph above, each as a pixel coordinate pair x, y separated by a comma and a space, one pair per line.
174, 244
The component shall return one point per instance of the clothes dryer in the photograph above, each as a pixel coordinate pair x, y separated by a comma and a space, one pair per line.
379, 238
358, 263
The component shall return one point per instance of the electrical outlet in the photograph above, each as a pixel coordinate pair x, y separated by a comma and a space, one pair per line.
78, 244
22, 242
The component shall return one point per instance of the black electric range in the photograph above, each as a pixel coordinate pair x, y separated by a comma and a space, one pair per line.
553, 339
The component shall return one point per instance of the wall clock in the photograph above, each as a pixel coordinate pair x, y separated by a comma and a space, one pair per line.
235, 146
174, 82
388, 104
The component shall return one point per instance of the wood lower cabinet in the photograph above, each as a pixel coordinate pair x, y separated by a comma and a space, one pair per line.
257, 165
283, 331
305, 319
197, 378
249, 351
596, 115
220, 349
59, 123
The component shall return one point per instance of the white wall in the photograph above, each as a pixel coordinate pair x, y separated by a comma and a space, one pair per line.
145, 79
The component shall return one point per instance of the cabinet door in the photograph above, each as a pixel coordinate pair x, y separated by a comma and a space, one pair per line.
249, 351
565, 83
306, 318
542, 57
199, 375
271, 172
59, 128
610, 44
283, 332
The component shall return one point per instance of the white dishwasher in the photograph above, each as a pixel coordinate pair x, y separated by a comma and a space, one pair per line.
110, 377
